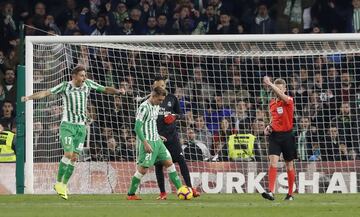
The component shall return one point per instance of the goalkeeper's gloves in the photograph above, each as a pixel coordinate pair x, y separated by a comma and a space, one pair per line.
169, 119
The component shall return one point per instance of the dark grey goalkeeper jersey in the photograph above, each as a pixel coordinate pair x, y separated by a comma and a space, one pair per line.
169, 105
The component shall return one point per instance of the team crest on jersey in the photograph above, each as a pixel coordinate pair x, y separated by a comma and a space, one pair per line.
280, 110
169, 104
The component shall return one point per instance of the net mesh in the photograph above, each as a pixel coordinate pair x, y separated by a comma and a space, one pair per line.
224, 108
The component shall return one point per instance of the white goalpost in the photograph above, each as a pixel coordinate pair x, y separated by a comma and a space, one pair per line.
218, 82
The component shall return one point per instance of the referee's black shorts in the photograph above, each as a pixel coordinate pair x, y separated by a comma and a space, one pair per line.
173, 145
283, 142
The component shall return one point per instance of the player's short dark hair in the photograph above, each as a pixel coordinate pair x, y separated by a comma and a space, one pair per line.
77, 69
159, 91
280, 81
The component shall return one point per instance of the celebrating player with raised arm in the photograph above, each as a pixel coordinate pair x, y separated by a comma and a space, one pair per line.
72, 128
281, 139
166, 123
151, 148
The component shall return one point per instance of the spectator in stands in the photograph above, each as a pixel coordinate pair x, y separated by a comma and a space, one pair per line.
324, 15
113, 152
184, 23
117, 113
162, 7
9, 83
38, 19
314, 151
8, 26
216, 112
94, 133
71, 28
163, 25
347, 124
127, 102
199, 90
333, 80
183, 101
7, 119
55, 111
127, 28
225, 25
262, 23
352, 17
51, 25
220, 5
70, 12
151, 26
195, 150
242, 117
220, 150
98, 28
346, 93
49, 144
207, 23
137, 20
334, 148
320, 86
318, 112
107, 134
303, 138
128, 152
2, 93
202, 132
118, 15
260, 144
2, 62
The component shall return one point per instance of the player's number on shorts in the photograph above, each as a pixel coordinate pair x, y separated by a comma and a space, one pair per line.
148, 156
68, 140
81, 146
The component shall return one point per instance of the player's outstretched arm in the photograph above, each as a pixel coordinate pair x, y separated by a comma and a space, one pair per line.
37, 95
111, 90
277, 91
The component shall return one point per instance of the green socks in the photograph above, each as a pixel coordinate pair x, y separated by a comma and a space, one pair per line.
68, 173
135, 181
62, 168
174, 177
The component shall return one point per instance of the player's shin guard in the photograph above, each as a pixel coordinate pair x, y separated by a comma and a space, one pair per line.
160, 177
291, 180
184, 171
135, 181
174, 176
272, 178
63, 165
69, 172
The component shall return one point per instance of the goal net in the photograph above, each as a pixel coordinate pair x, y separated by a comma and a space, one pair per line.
224, 109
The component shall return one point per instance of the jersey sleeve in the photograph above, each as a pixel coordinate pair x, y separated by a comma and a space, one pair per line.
58, 88
141, 113
95, 86
290, 101
177, 108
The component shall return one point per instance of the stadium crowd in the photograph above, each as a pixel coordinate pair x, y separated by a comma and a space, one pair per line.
219, 96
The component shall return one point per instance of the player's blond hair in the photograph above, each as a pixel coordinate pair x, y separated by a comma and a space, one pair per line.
280, 81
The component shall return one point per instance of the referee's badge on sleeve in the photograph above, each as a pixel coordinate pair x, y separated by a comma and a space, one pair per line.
280, 110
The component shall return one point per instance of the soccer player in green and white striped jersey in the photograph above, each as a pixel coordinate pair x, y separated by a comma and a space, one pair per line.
151, 148
75, 94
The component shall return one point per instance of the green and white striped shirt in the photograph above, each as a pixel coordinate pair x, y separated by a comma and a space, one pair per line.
75, 99
148, 114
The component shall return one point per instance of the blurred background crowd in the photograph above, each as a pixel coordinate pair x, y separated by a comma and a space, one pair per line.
219, 96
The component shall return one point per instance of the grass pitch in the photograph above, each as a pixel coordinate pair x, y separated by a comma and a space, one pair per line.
208, 205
